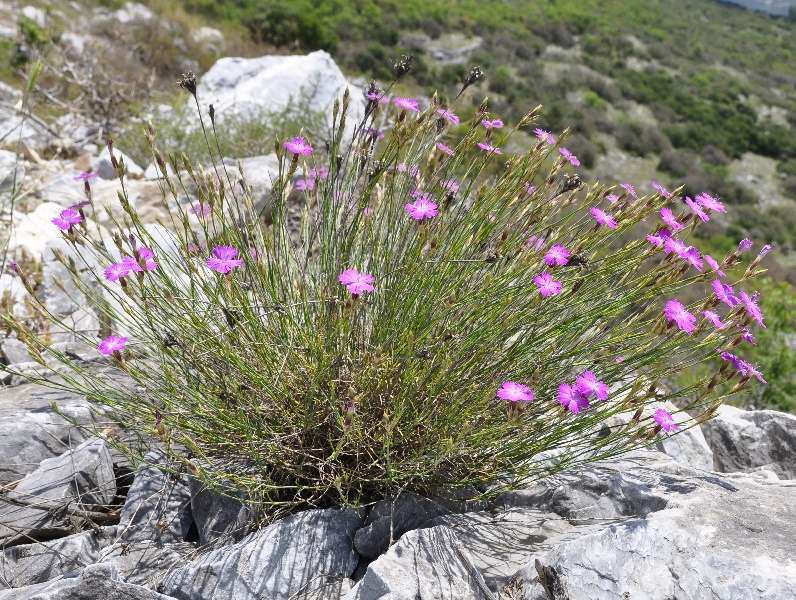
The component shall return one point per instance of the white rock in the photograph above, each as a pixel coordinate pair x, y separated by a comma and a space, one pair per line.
152, 172
254, 86
208, 35
133, 11
36, 15
33, 230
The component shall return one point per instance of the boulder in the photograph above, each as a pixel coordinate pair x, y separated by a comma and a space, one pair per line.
33, 230
158, 504
426, 564
100, 581
39, 506
747, 440
103, 166
392, 518
219, 517
31, 431
289, 559
37, 563
254, 87
648, 527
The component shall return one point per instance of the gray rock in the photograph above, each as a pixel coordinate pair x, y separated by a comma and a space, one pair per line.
390, 519
218, 517
31, 429
14, 351
37, 563
748, 440
158, 505
147, 562
300, 553
39, 506
660, 531
498, 540
426, 564
103, 166
96, 582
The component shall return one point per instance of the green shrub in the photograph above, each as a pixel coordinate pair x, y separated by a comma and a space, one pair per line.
348, 347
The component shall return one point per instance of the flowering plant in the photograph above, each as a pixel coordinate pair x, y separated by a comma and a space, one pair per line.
435, 319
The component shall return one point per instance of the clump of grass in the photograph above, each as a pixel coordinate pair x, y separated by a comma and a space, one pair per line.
431, 313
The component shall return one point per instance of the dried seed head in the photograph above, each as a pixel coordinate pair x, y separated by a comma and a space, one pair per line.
187, 81
475, 74
403, 66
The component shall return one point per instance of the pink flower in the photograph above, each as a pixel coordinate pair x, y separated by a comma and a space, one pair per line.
572, 397
448, 116
319, 173
736, 362
413, 170
489, 148
745, 245
664, 419
116, 271
693, 257
201, 210
305, 185
356, 282
299, 146
660, 237
85, 176
422, 209
662, 190
496, 124
588, 384
697, 210
375, 133
603, 218
573, 160
407, 103
546, 285
753, 309
112, 344
612, 198
544, 136
714, 265
223, 259
747, 335
534, 242
557, 255
516, 392
450, 185
145, 253
446, 149
529, 188
765, 250
68, 218
676, 312
667, 216
674, 245
630, 189
713, 318
710, 203
751, 371
725, 293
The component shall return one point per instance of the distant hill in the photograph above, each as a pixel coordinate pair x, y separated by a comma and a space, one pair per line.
778, 8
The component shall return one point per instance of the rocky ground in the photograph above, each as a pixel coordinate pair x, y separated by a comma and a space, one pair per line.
688, 519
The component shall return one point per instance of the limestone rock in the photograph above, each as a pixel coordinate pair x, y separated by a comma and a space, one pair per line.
747, 440
218, 516
31, 431
300, 553
426, 564
103, 166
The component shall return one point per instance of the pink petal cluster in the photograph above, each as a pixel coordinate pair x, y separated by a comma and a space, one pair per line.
111, 344
422, 209
557, 255
659, 238
662, 190
85, 176
663, 418
305, 185
375, 133
533, 242
223, 259
711, 203
714, 265
725, 293
357, 282
667, 216
752, 308
496, 124
414, 170
588, 384
544, 136
299, 146
407, 103
572, 398
446, 149
568, 156
448, 116
698, 211
744, 245
630, 189
603, 218
547, 286
319, 173
489, 148
676, 312
450, 185
745, 368
67, 218
201, 210
713, 317
516, 392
